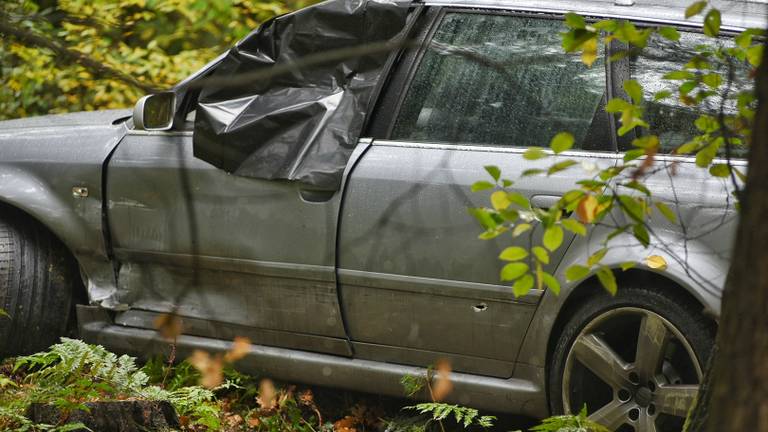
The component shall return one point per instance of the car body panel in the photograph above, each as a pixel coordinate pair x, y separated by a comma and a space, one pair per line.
43, 159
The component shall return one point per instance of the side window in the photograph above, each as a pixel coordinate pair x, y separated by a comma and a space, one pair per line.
502, 80
670, 118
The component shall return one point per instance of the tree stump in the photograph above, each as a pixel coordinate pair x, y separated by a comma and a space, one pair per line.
117, 416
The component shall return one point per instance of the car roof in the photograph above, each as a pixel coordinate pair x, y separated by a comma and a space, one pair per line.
736, 14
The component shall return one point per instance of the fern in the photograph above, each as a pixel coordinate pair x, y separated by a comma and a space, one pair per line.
464, 416
570, 423
72, 361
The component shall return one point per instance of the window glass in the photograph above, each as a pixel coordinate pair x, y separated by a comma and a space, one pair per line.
670, 118
501, 80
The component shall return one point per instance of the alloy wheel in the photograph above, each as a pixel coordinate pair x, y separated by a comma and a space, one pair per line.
633, 370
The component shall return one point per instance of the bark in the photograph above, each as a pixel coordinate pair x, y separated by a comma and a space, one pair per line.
118, 416
735, 393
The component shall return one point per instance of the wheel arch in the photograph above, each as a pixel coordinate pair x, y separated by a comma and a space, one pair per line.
591, 286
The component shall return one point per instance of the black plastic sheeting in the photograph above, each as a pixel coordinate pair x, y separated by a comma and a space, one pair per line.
300, 125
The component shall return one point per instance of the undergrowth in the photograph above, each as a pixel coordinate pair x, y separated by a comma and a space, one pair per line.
72, 374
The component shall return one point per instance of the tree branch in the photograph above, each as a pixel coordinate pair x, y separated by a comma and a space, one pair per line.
68, 55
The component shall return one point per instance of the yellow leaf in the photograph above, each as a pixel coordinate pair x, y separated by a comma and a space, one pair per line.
587, 209
589, 53
499, 200
656, 262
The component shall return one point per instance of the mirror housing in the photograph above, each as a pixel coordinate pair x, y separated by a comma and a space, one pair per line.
155, 111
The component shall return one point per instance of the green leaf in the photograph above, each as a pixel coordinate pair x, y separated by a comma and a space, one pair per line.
713, 80
704, 156
632, 207
576, 272
513, 271
518, 199
636, 185
541, 254
574, 226
534, 153
633, 154
522, 286
531, 171
482, 185
670, 33
712, 23
509, 214
755, 54
646, 141
634, 90
553, 237
617, 105
641, 234
494, 171
666, 211
695, 8
484, 217
513, 253
607, 279
720, 170
499, 200
706, 123
663, 94
561, 142
743, 40
520, 228
560, 166
575, 21
687, 147
687, 87
551, 282
679, 75
596, 257
506, 183
626, 265
575, 39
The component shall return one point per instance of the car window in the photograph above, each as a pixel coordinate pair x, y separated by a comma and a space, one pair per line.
670, 118
501, 80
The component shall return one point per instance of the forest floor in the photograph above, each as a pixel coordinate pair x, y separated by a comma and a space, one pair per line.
208, 394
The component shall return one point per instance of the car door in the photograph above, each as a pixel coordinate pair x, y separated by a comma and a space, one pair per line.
232, 255
416, 283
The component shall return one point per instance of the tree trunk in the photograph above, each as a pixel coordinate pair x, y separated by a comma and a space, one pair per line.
734, 396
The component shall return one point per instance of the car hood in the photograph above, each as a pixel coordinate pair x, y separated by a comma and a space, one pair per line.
90, 118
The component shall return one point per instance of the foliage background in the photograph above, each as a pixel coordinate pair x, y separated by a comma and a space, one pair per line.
157, 42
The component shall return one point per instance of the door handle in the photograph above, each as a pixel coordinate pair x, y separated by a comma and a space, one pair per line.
316, 195
545, 202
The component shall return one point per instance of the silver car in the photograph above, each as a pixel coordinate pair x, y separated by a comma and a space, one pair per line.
107, 225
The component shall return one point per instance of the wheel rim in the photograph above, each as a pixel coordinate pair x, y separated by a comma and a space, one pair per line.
634, 371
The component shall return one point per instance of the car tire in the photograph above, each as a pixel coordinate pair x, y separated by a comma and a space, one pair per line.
595, 361
37, 277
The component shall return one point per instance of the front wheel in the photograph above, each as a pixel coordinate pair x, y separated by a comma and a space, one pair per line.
634, 360
37, 280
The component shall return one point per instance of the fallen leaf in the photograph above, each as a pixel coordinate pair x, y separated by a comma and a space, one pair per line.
267, 398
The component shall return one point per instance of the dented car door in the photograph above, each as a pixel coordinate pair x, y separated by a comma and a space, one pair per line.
234, 256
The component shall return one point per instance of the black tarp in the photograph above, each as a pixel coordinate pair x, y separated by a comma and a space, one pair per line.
302, 124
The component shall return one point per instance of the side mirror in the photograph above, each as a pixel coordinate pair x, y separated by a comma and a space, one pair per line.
155, 111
